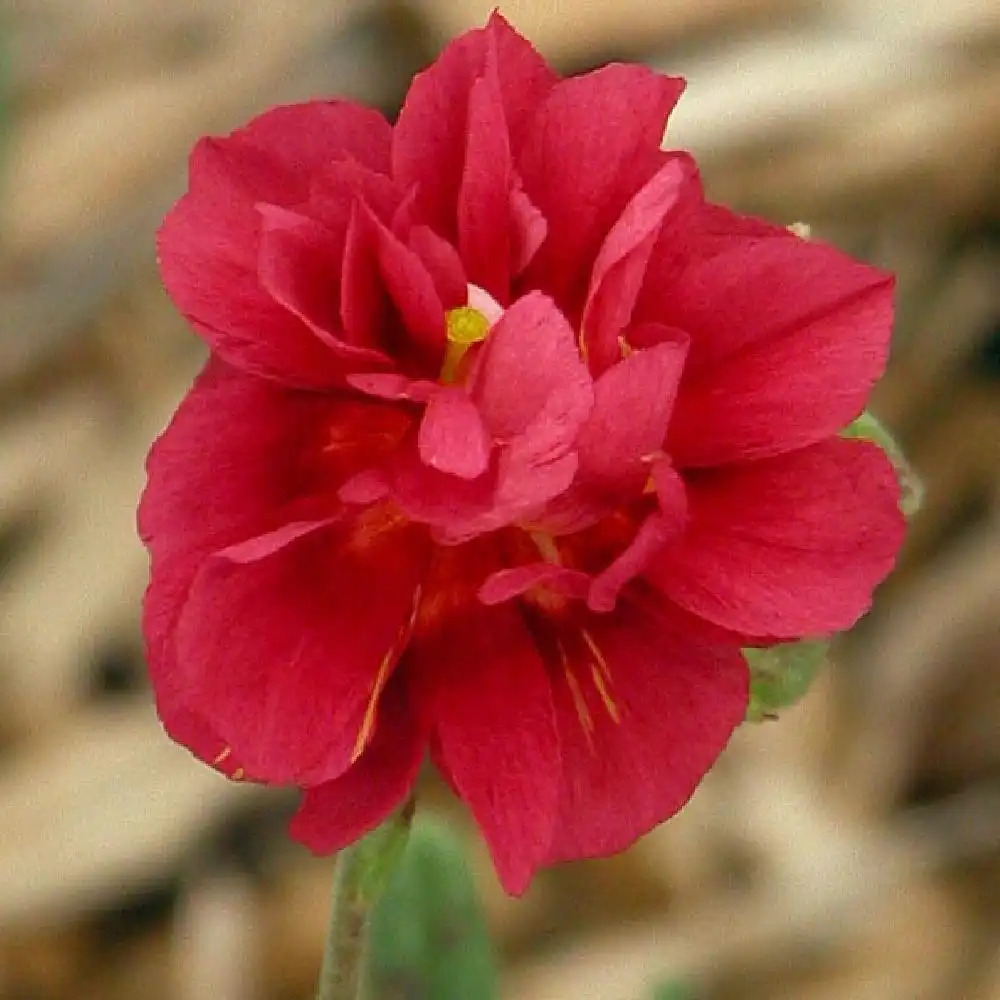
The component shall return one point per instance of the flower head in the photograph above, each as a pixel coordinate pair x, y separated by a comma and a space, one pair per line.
508, 442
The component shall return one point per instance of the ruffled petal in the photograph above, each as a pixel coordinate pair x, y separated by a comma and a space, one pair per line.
570, 148
788, 546
620, 268
485, 693
208, 243
413, 291
787, 339
644, 707
506, 584
208, 254
484, 201
443, 265
529, 355
429, 140
452, 436
335, 814
633, 402
306, 137
297, 266
286, 649
237, 453
653, 535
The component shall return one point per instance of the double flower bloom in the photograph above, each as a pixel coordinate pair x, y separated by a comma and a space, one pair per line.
508, 443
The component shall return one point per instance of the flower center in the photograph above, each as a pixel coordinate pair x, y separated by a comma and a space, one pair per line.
465, 326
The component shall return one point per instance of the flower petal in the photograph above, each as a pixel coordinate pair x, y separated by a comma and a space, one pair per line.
288, 652
528, 228
336, 813
505, 584
788, 546
485, 693
208, 254
787, 339
443, 264
297, 266
429, 139
484, 200
620, 268
653, 535
570, 148
643, 708
207, 245
633, 401
530, 353
307, 137
362, 297
234, 457
440, 499
413, 291
452, 436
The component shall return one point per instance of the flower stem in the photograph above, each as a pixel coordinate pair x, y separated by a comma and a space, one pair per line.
361, 873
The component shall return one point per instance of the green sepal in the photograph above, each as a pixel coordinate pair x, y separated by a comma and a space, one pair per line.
868, 428
781, 674
428, 933
380, 853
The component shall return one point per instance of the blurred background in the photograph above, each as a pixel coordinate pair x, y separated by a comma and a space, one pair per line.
851, 850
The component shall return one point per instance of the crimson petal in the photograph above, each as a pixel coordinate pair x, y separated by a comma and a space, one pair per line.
335, 814
643, 708
429, 139
633, 402
530, 354
620, 268
484, 201
788, 546
452, 437
288, 652
484, 691
788, 338
569, 147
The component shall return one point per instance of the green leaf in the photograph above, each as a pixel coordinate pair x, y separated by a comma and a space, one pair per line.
428, 934
868, 428
781, 674
672, 990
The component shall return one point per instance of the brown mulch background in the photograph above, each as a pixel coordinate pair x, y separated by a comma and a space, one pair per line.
851, 850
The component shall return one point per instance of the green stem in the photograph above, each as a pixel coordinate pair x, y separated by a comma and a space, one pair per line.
359, 878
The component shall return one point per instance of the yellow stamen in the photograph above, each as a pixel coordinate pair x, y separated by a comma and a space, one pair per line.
546, 545
238, 775
464, 326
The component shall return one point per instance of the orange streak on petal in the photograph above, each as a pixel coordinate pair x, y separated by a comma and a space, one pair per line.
368, 722
601, 673
384, 669
598, 655
582, 711
609, 702
226, 751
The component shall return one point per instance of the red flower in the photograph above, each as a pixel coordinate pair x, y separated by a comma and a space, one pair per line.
508, 442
